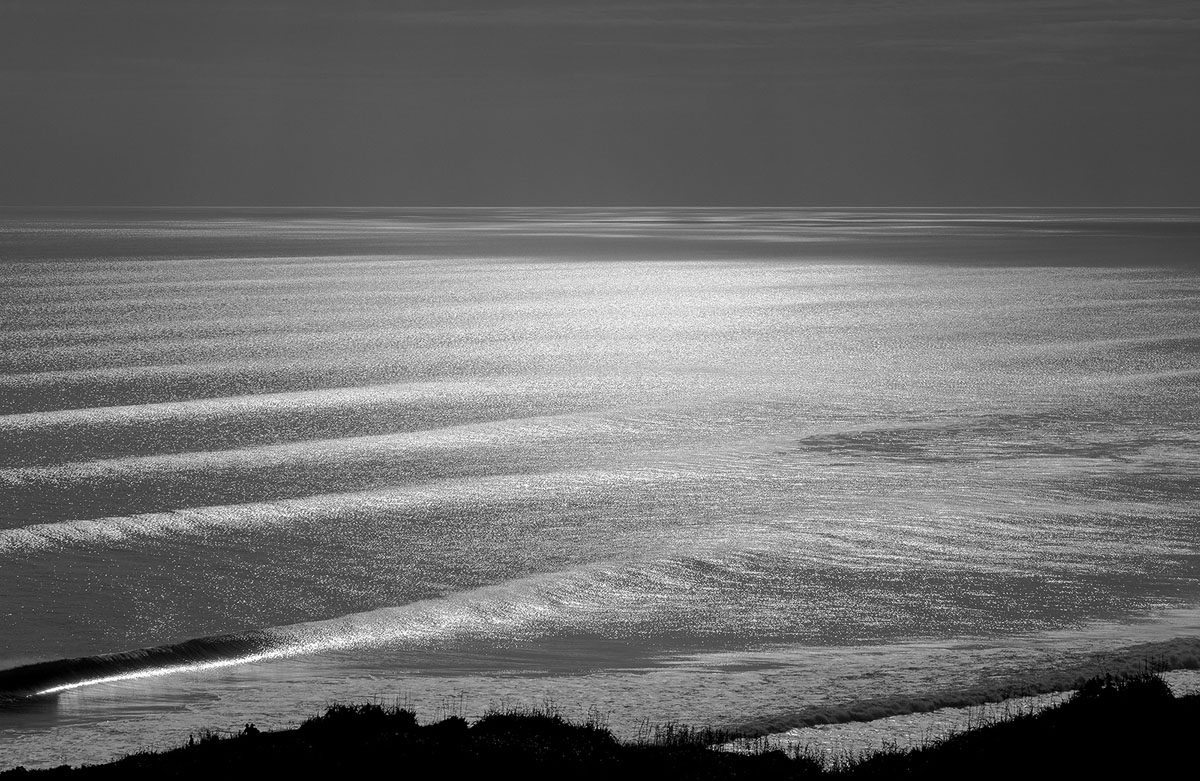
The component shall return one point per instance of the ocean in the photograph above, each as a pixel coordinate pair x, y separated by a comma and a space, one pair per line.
743, 468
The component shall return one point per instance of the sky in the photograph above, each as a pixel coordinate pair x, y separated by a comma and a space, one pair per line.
567, 102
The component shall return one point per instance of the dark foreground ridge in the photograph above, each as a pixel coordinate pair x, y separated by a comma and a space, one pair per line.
1113, 726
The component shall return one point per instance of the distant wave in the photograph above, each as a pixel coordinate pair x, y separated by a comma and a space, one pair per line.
118, 530
132, 384
500, 433
199, 411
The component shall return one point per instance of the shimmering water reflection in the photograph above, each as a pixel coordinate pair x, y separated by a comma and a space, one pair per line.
564, 449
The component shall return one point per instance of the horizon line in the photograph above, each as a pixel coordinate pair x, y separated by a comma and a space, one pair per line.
590, 206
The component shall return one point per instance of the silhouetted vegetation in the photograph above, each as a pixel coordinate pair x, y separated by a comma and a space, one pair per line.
1123, 727
1119, 725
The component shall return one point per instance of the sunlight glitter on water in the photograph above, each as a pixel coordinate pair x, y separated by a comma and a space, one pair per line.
448, 436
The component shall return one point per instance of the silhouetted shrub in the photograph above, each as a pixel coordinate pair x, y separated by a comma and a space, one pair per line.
361, 719
449, 728
1146, 689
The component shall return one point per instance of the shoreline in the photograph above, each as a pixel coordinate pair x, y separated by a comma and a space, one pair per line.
751, 696
1112, 721
828, 742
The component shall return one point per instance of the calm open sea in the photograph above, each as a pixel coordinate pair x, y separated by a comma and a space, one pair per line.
731, 467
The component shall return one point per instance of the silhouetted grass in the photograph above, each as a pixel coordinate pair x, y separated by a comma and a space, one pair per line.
1127, 725
1122, 726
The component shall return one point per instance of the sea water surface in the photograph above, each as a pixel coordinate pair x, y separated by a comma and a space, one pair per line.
751, 468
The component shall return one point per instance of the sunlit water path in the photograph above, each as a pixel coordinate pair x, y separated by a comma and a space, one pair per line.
733, 467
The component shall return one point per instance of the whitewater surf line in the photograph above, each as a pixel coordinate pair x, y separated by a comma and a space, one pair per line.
44, 678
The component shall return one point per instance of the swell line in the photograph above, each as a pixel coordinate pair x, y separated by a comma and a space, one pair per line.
616, 596
531, 429
201, 410
118, 530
